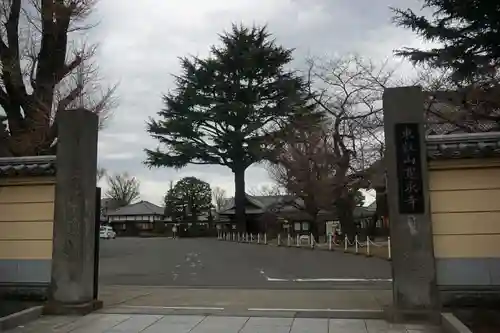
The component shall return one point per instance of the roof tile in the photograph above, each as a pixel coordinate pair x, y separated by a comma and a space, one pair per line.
28, 166
139, 208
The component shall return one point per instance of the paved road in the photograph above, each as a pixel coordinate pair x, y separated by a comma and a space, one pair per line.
201, 262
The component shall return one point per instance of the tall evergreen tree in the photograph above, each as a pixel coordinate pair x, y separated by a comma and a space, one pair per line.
226, 106
468, 32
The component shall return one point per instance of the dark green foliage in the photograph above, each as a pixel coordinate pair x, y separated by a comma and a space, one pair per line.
469, 31
187, 199
226, 107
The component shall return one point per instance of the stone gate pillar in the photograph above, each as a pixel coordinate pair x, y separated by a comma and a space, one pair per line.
413, 268
71, 288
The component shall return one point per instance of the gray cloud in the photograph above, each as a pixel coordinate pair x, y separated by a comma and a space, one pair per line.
142, 40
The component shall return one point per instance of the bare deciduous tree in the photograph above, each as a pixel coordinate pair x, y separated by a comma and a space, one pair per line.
349, 90
46, 67
219, 197
452, 107
101, 172
267, 190
123, 188
305, 164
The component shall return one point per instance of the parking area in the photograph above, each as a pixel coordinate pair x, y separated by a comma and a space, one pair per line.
209, 263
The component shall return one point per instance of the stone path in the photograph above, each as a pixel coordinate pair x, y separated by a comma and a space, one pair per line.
234, 300
118, 323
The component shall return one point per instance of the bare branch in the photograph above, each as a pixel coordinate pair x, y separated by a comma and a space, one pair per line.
101, 172
123, 188
46, 68
267, 190
219, 197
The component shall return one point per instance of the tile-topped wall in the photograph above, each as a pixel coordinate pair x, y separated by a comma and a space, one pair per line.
26, 226
465, 210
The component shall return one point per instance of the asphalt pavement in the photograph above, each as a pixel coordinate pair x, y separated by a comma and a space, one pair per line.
210, 263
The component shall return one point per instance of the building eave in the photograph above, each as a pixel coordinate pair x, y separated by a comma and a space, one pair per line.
28, 166
463, 146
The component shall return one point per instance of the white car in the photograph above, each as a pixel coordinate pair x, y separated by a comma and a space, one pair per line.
107, 232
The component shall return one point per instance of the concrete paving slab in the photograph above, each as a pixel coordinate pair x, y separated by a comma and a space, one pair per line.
309, 325
118, 323
100, 324
267, 325
221, 325
347, 325
135, 324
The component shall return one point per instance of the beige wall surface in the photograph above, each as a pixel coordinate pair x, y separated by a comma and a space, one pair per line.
465, 208
26, 218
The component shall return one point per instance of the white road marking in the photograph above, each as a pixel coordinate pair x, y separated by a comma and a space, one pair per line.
341, 280
276, 280
271, 279
312, 310
173, 307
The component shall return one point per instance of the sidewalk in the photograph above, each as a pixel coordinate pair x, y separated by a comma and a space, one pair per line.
164, 300
116, 323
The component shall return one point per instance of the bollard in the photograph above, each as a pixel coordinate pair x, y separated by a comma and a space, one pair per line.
298, 241
265, 238
258, 238
246, 237
389, 253
345, 243
234, 237
356, 243
312, 241
368, 246
330, 242
279, 239
288, 240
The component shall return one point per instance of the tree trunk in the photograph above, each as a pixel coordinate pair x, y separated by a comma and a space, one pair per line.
371, 228
240, 199
314, 227
345, 211
4, 149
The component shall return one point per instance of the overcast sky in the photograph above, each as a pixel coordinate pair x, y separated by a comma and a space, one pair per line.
142, 40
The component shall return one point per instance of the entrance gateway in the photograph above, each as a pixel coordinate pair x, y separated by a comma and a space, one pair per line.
415, 289
415, 276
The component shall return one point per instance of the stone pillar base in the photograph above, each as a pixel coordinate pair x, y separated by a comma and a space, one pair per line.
57, 308
409, 316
